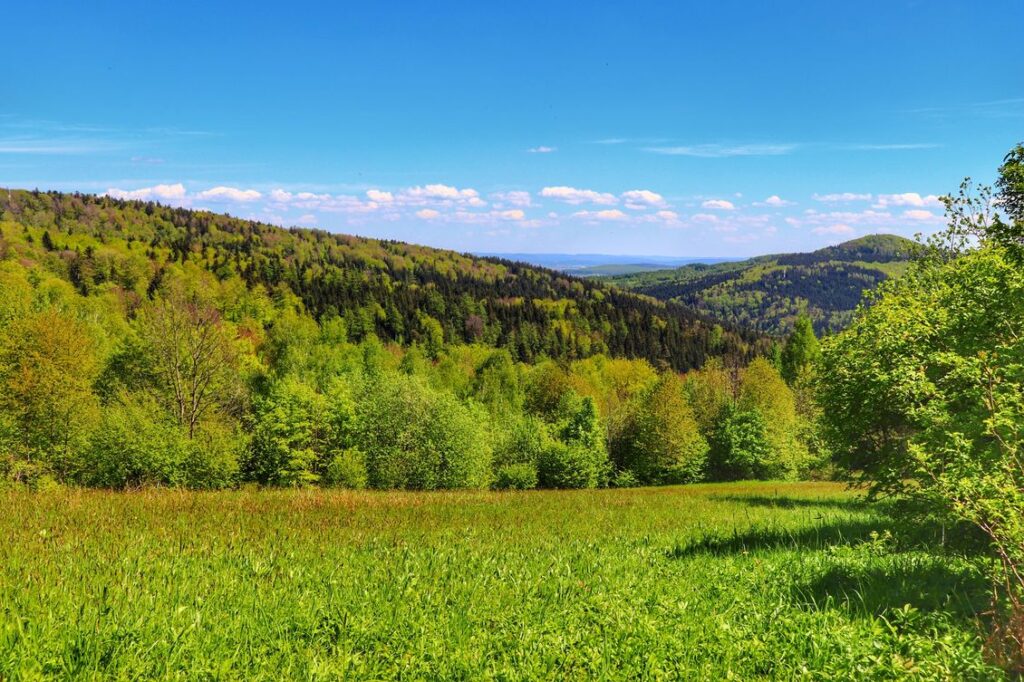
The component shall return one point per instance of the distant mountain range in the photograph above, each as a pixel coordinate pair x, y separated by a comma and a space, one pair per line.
768, 292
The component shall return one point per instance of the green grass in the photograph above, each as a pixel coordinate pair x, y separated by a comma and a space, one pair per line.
698, 582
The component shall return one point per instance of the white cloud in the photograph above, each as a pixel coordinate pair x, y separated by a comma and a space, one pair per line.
438, 191
718, 204
280, 196
542, 150
775, 201
175, 192
427, 214
920, 214
571, 195
606, 214
704, 218
513, 214
639, 199
222, 193
379, 196
841, 197
668, 216
912, 199
716, 151
307, 219
838, 228
513, 198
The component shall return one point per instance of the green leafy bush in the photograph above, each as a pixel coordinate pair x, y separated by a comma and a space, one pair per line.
419, 438
520, 476
660, 441
740, 448
347, 470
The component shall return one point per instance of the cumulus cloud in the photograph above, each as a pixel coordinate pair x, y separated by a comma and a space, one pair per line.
428, 214
174, 193
718, 205
838, 228
542, 150
379, 196
841, 197
639, 199
912, 199
513, 214
606, 214
572, 195
775, 201
920, 214
222, 193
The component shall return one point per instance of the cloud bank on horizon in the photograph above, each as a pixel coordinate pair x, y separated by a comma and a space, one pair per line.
734, 221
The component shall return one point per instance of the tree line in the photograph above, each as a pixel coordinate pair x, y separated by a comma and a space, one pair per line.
132, 356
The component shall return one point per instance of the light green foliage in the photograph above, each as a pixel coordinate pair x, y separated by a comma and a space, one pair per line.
290, 435
801, 351
517, 476
419, 438
579, 459
711, 582
497, 384
347, 470
763, 390
924, 395
47, 366
137, 444
660, 441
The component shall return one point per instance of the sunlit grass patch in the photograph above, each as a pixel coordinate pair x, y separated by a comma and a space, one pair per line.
760, 579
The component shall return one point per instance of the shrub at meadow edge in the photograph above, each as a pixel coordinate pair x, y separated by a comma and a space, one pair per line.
923, 396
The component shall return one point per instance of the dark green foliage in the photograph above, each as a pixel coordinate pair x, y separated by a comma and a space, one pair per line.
770, 293
740, 447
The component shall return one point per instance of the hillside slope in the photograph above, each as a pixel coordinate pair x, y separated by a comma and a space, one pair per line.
768, 292
400, 292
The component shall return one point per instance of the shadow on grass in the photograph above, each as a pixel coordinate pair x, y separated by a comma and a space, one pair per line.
785, 502
870, 565
771, 538
927, 583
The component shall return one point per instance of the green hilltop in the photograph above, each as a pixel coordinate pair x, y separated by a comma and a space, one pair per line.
768, 293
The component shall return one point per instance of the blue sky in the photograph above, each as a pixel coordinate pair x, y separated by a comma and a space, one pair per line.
690, 129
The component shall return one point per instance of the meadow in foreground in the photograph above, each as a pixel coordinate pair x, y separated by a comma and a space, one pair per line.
706, 581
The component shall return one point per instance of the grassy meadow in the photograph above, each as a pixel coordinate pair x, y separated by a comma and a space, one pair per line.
743, 581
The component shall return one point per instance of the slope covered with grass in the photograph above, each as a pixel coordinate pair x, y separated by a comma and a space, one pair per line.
702, 582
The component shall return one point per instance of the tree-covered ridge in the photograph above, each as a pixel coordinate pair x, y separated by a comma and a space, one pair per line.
396, 291
768, 293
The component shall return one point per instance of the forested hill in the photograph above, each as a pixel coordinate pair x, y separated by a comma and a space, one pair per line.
400, 292
768, 293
